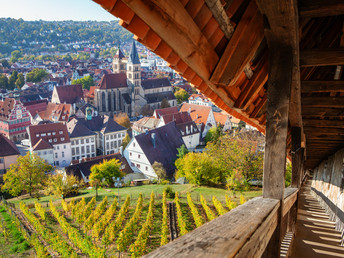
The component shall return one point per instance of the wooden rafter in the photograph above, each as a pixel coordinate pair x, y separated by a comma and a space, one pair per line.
322, 86
322, 57
321, 8
241, 48
221, 17
329, 102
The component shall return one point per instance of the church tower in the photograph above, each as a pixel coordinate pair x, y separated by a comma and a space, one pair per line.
118, 66
134, 69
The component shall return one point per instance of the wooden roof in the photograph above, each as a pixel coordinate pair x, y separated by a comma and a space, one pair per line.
220, 46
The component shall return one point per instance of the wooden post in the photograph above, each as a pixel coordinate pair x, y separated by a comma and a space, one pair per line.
296, 152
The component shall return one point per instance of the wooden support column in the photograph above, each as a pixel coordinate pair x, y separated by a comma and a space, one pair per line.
297, 156
281, 28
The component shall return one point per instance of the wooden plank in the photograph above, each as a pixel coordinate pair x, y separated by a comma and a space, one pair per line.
227, 235
322, 57
322, 86
321, 8
221, 17
322, 111
290, 199
241, 48
323, 123
297, 153
326, 102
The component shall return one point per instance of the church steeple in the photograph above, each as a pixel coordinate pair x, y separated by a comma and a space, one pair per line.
118, 66
134, 57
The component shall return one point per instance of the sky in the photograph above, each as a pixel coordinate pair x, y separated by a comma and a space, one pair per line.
54, 10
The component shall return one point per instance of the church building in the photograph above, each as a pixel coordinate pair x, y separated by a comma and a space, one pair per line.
123, 91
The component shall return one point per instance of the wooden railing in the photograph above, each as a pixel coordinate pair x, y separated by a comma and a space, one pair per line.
243, 232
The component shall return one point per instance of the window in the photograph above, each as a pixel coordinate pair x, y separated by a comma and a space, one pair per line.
107, 137
53, 133
130, 154
77, 142
58, 147
50, 140
82, 141
73, 151
77, 150
62, 154
87, 140
111, 136
82, 149
138, 155
115, 136
134, 144
43, 134
138, 165
44, 153
50, 152
115, 144
55, 140
56, 155
88, 149
49, 134
62, 138
57, 163
92, 139
72, 142
132, 164
60, 132
64, 146
92, 148
146, 168
37, 135
107, 146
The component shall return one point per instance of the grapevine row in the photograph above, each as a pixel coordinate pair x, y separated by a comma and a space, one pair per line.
95, 214
84, 243
180, 218
138, 248
230, 203
210, 214
126, 235
56, 242
112, 230
84, 212
164, 226
218, 206
40, 210
197, 218
99, 227
78, 207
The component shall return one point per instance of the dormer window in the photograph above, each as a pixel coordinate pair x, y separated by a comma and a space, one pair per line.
62, 138
60, 132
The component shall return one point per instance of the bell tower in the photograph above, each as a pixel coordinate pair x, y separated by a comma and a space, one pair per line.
118, 66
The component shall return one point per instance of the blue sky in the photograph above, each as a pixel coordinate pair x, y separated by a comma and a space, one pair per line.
54, 10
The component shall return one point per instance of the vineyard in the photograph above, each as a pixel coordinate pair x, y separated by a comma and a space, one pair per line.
106, 226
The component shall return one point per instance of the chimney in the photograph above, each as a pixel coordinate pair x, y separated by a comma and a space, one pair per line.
153, 139
121, 150
189, 111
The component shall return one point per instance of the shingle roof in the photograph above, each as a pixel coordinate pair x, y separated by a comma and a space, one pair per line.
133, 56
119, 54
8, 148
159, 96
70, 94
100, 123
42, 145
220, 118
164, 111
198, 113
179, 118
155, 83
113, 81
167, 140
36, 131
76, 129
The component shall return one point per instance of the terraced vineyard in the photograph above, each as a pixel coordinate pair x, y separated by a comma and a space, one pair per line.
100, 228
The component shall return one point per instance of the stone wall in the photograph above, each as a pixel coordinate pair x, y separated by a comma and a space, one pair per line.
327, 186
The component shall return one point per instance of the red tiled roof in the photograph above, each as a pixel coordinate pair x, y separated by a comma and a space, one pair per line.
220, 118
42, 145
70, 94
8, 148
6, 108
165, 111
91, 92
179, 118
198, 113
112, 81
42, 131
56, 112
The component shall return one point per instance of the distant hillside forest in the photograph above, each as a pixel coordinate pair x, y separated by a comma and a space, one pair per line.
32, 37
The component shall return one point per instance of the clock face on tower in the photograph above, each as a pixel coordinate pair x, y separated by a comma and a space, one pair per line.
19, 114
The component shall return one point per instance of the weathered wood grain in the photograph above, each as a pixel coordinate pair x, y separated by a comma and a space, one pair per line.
322, 86
321, 8
322, 57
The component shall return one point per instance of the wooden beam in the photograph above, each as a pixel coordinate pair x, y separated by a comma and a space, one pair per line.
323, 123
297, 153
320, 8
322, 112
241, 48
322, 86
326, 102
322, 57
221, 17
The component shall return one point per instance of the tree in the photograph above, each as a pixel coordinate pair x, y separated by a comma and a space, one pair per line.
164, 103
103, 173
159, 170
213, 134
5, 63
20, 81
3, 81
36, 75
182, 151
68, 186
86, 82
125, 141
146, 110
12, 80
15, 55
27, 174
181, 95
122, 119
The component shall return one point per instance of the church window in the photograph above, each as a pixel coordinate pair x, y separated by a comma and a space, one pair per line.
129, 68
129, 75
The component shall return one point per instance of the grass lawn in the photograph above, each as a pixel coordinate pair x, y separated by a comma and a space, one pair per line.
134, 192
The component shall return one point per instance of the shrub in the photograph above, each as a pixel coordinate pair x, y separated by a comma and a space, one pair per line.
169, 192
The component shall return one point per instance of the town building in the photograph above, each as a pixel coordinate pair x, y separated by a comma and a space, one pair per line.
203, 116
51, 142
144, 124
14, 118
54, 112
157, 145
223, 120
200, 99
8, 154
67, 94
109, 135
